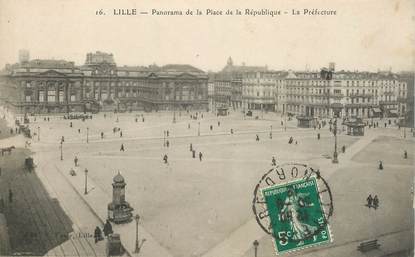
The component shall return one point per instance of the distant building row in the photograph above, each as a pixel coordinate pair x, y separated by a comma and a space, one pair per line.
346, 94
44, 86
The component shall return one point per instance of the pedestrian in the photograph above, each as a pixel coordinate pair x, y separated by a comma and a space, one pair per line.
120, 133
136, 119
79, 131
257, 137
369, 200
97, 234
76, 161
191, 147
231, 131
107, 228
211, 127
165, 158
200, 156
167, 143
10, 196
143, 119
167, 133
318, 136
193, 153
343, 148
282, 123
122, 148
62, 139
218, 123
375, 202
380, 165
102, 135
385, 124
117, 119
273, 161
2, 205
70, 124
290, 141
405, 156
188, 125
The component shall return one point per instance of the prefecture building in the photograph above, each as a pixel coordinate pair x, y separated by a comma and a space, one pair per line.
47, 86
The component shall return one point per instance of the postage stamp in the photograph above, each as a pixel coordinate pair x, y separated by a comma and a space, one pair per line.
293, 203
296, 215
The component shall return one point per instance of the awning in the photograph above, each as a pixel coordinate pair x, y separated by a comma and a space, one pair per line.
376, 110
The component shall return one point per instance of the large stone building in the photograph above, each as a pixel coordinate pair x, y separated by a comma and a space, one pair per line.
44, 86
347, 94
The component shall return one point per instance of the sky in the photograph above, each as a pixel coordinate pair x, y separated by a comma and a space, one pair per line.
364, 35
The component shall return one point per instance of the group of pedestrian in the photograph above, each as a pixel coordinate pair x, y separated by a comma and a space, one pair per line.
291, 140
107, 231
372, 202
194, 152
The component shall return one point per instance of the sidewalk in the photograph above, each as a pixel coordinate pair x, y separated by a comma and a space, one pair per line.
95, 202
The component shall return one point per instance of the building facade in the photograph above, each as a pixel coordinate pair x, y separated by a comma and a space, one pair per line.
45, 86
347, 94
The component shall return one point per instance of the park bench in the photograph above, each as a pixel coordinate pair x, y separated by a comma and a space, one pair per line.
368, 246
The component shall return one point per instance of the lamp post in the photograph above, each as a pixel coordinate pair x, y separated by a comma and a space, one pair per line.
137, 246
38, 133
256, 244
174, 104
285, 122
335, 160
198, 128
61, 147
86, 182
87, 134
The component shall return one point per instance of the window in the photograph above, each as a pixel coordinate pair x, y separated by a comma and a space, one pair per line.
51, 95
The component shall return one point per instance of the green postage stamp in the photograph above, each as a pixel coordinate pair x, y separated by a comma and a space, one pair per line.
296, 215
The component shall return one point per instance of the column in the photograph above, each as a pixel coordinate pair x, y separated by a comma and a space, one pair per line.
56, 92
69, 91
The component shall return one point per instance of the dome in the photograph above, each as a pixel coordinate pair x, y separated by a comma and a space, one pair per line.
118, 178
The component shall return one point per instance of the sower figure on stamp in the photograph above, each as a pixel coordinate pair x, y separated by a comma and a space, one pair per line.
273, 161
291, 210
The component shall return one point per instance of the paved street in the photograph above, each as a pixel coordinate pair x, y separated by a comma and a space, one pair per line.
190, 207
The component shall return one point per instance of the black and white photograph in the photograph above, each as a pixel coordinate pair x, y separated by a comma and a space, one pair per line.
219, 128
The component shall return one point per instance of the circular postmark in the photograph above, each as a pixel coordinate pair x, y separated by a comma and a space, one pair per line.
293, 203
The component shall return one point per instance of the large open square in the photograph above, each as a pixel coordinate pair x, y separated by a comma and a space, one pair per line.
199, 206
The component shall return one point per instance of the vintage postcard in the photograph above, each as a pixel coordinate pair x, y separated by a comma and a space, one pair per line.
217, 128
